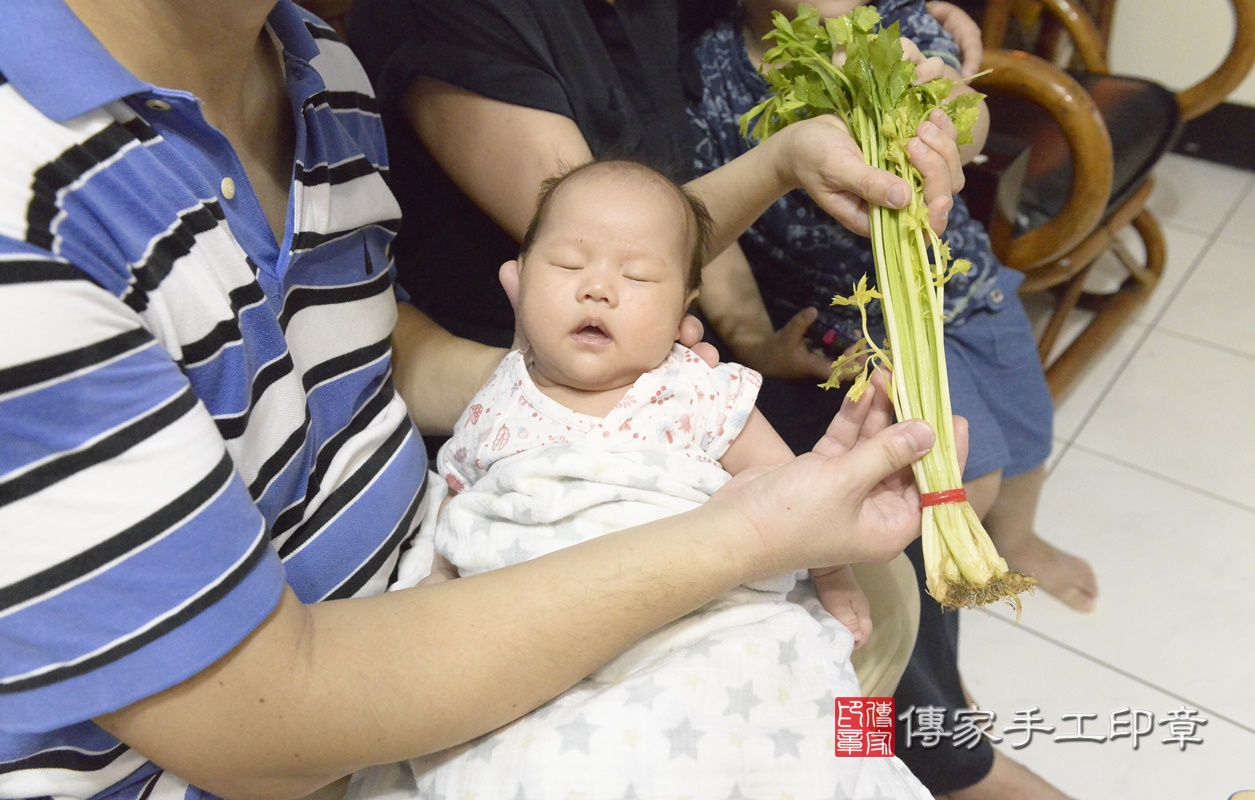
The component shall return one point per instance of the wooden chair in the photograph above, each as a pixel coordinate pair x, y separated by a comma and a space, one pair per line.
1093, 139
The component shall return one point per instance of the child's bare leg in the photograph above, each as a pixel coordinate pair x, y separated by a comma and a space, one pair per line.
1010, 524
983, 491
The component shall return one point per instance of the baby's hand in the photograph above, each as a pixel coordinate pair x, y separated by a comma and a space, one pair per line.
841, 596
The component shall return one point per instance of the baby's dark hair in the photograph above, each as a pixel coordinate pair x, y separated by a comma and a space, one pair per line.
700, 223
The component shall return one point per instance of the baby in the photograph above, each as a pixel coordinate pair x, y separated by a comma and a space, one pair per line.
600, 307
603, 422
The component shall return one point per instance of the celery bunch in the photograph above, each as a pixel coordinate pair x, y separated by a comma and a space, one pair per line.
874, 94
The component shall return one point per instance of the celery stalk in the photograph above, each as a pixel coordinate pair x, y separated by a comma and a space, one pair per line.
873, 93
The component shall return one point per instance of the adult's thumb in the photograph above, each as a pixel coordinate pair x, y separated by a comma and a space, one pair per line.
890, 450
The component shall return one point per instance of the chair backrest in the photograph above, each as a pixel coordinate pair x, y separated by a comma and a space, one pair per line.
1075, 33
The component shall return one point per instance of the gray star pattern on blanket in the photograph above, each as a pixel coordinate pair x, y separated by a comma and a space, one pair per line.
645, 693
516, 553
575, 735
704, 646
847, 671
736, 793
520, 795
630, 794
841, 794
787, 742
522, 514
788, 653
740, 701
683, 740
827, 704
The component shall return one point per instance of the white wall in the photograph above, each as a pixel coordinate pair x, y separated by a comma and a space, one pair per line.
1175, 43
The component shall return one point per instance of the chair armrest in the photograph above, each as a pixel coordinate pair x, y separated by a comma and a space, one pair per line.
1090, 45
1091, 48
1213, 89
1079, 24
994, 182
1059, 95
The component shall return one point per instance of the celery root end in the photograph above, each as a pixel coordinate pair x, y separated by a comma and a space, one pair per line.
1006, 586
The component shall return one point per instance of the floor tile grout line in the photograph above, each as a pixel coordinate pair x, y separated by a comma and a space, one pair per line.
1166, 478
1220, 348
1152, 324
1124, 673
1116, 374
1211, 235
1065, 446
1219, 227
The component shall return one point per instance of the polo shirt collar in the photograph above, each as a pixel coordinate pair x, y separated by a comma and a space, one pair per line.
55, 62
288, 24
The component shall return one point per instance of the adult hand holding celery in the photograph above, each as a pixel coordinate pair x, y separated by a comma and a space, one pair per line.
874, 92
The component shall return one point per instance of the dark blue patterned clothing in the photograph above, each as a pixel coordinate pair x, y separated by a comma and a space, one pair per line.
916, 24
800, 256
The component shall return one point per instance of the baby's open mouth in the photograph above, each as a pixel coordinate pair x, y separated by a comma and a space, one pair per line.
591, 333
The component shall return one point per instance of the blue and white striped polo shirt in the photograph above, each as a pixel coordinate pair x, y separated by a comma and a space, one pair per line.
191, 413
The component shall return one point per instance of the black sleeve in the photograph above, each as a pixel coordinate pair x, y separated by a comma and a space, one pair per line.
495, 49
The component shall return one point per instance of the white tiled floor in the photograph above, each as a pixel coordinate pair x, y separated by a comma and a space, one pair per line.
1153, 480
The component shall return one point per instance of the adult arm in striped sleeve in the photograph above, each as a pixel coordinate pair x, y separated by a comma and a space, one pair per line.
320, 690
312, 691
317, 690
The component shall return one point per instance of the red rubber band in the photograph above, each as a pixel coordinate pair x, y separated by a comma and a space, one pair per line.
947, 496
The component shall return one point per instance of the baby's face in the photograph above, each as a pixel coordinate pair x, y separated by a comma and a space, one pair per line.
602, 290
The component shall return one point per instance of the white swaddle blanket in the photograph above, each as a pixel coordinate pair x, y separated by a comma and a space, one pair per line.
732, 700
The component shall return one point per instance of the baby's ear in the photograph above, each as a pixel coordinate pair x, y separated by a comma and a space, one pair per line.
509, 277
689, 332
692, 298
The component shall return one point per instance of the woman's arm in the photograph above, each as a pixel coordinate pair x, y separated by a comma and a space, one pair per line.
819, 156
435, 372
498, 154
732, 303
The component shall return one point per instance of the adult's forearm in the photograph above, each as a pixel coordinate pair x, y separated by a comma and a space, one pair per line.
732, 303
319, 691
737, 193
436, 372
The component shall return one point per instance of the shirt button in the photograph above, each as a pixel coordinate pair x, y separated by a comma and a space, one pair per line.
995, 297
228, 188
158, 105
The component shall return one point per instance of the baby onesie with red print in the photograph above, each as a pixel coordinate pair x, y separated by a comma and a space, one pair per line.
682, 407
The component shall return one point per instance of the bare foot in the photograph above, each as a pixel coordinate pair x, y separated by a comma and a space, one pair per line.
1068, 578
1008, 780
